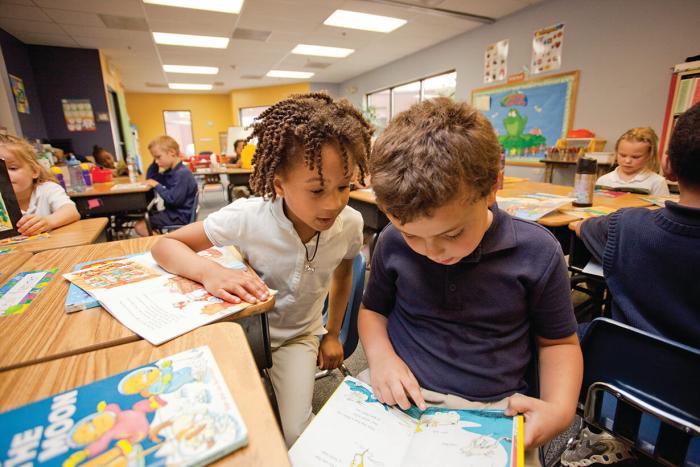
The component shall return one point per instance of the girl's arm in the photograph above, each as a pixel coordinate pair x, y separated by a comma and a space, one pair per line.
176, 253
391, 379
330, 355
66, 214
32, 224
561, 373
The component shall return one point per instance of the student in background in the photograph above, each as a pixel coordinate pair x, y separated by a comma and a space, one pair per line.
103, 158
238, 146
459, 289
175, 185
44, 203
300, 237
650, 257
637, 160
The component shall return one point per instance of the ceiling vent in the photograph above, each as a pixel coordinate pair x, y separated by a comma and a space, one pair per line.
251, 77
251, 34
124, 23
156, 85
317, 65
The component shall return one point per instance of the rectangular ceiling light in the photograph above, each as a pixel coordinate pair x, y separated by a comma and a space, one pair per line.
363, 21
289, 74
195, 70
190, 86
188, 40
321, 51
223, 6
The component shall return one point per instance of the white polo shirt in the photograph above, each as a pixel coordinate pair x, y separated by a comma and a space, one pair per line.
646, 179
267, 240
46, 199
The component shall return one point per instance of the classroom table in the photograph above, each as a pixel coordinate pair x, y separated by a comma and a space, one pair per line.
237, 176
227, 343
45, 331
550, 164
82, 232
10, 262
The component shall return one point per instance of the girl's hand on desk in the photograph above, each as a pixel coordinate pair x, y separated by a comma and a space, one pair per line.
543, 420
393, 382
234, 285
330, 355
32, 225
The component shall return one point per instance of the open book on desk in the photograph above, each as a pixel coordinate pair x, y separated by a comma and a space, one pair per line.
353, 428
175, 411
532, 206
150, 301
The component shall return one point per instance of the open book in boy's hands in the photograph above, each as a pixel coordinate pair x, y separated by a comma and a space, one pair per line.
353, 428
153, 303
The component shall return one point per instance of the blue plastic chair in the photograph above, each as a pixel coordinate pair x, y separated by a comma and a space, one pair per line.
643, 389
348, 331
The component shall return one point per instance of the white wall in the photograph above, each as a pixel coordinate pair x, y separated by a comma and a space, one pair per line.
623, 48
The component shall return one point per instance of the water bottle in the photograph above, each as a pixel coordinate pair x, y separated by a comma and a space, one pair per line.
131, 167
75, 173
59, 176
584, 181
87, 176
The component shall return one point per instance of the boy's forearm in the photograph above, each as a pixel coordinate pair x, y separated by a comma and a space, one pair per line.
561, 373
341, 283
373, 334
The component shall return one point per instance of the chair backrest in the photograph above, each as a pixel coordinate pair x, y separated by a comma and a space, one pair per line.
348, 332
644, 389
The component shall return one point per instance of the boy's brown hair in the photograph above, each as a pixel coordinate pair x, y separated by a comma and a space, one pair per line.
431, 153
299, 127
166, 143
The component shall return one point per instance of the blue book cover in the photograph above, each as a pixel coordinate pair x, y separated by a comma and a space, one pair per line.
175, 411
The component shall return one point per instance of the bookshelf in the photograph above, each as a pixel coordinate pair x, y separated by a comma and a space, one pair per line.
683, 93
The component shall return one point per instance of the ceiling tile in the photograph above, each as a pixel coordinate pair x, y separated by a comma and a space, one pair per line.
110, 7
74, 17
41, 27
23, 12
57, 40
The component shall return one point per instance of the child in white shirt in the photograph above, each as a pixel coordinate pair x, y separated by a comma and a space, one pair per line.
300, 237
43, 202
637, 163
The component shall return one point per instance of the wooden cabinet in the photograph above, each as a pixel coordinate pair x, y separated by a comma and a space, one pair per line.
683, 93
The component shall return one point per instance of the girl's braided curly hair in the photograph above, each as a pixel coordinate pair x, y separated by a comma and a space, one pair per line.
303, 123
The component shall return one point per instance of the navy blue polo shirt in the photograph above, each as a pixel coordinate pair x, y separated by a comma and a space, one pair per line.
178, 188
464, 329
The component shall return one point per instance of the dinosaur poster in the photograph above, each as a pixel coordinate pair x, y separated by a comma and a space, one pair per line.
530, 115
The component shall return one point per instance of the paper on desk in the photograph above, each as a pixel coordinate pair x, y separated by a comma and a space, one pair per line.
21, 290
593, 268
127, 186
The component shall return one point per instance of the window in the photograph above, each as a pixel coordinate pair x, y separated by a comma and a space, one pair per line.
385, 104
178, 125
249, 114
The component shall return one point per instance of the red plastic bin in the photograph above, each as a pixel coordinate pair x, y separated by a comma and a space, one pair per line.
101, 175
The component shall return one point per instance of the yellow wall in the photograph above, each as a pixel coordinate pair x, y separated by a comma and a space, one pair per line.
256, 97
211, 114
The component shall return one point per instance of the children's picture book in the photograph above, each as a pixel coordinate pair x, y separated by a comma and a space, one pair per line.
588, 212
660, 200
354, 429
533, 206
153, 303
23, 238
10, 212
77, 299
175, 411
20, 291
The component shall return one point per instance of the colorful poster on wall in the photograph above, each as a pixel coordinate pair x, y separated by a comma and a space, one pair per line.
496, 61
20, 95
547, 45
530, 115
78, 114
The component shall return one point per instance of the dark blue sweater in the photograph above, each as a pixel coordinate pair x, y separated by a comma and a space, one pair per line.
178, 188
650, 259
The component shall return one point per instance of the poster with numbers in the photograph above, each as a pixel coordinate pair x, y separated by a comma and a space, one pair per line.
547, 45
78, 114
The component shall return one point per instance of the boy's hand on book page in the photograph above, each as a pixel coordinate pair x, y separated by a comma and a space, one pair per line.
32, 225
234, 285
393, 383
542, 419
330, 354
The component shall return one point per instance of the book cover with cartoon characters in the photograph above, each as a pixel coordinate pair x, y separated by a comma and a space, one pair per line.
176, 411
354, 429
153, 303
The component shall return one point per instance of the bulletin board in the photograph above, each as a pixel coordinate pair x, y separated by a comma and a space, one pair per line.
530, 115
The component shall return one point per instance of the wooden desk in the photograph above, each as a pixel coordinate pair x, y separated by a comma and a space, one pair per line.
551, 164
227, 342
237, 176
10, 262
82, 232
45, 331
101, 200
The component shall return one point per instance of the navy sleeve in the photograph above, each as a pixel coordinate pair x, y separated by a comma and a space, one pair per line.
594, 234
179, 190
380, 291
